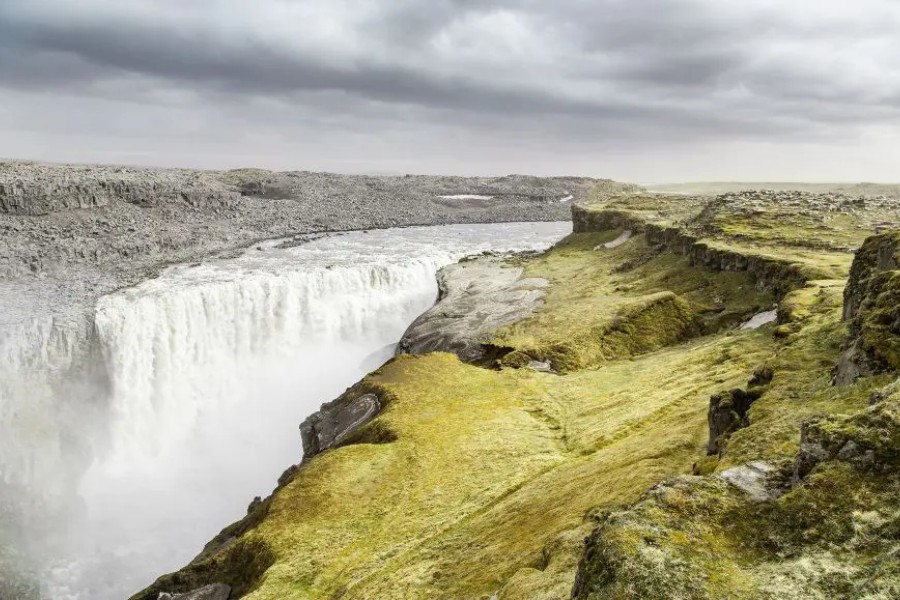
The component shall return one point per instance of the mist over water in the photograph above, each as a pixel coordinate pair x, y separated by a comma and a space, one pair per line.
212, 367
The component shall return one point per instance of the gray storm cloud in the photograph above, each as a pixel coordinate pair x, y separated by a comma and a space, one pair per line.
648, 89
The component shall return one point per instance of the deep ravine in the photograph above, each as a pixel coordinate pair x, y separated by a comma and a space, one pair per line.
206, 373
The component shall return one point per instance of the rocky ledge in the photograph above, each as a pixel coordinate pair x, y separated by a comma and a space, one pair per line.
477, 297
673, 454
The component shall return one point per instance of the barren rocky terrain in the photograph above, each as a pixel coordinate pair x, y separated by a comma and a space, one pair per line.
69, 233
122, 219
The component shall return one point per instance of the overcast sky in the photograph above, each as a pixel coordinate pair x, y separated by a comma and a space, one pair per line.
638, 90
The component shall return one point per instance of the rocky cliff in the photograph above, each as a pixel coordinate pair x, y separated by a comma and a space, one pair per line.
70, 234
630, 431
872, 309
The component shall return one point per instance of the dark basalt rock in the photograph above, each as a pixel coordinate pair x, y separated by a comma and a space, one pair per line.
336, 421
729, 410
216, 591
872, 306
728, 413
585, 221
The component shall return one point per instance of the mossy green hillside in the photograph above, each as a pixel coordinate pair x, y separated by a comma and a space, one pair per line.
490, 476
610, 303
833, 535
474, 482
830, 527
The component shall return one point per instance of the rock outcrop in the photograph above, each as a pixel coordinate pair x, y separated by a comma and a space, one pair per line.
336, 421
771, 272
477, 297
820, 528
872, 308
730, 410
870, 441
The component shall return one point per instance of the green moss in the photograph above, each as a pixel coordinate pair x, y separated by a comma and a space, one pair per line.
702, 538
474, 482
487, 483
879, 319
788, 227
608, 304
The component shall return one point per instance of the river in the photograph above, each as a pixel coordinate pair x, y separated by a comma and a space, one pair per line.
208, 371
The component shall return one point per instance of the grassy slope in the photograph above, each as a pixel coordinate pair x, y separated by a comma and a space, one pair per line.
492, 478
489, 467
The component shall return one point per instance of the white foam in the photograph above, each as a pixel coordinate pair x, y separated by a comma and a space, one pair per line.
212, 369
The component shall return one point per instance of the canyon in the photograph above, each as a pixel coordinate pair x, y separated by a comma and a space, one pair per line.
676, 395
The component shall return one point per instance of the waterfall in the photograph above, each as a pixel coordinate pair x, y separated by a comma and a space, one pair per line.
210, 368
47, 375
175, 350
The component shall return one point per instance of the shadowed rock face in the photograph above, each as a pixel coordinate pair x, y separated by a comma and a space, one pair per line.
729, 411
727, 414
476, 298
336, 421
871, 301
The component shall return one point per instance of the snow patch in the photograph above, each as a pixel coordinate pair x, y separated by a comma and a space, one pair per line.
758, 320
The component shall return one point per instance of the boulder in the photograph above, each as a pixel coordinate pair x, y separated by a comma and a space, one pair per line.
337, 420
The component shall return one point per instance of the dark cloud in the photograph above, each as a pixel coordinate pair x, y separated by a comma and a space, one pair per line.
627, 72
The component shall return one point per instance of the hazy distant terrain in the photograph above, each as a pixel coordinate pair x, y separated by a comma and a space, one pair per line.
722, 187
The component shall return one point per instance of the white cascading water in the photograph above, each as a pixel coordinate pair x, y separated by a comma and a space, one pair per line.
212, 368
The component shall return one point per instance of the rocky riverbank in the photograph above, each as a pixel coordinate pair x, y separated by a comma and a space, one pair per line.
70, 234
125, 219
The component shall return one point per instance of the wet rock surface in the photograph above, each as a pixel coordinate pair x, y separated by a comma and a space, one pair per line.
476, 297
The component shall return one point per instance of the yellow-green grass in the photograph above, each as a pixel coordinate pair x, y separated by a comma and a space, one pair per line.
822, 231
487, 468
474, 482
834, 537
607, 304
832, 534
492, 473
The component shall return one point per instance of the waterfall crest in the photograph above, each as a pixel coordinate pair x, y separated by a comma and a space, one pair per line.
208, 370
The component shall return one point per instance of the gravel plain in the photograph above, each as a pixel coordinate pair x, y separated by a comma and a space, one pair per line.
69, 233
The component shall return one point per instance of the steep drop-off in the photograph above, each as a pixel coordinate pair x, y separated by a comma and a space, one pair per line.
628, 438
71, 234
